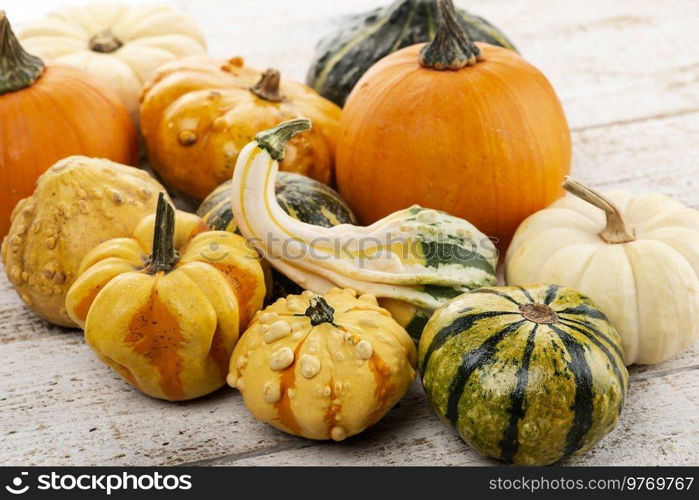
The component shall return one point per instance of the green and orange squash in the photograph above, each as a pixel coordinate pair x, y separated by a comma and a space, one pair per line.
529, 375
344, 56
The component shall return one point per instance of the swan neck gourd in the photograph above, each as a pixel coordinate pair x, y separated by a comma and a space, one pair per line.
417, 255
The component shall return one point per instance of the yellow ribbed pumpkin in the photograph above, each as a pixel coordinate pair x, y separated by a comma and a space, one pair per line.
164, 308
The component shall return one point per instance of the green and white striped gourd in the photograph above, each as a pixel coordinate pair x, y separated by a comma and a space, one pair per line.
416, 255
529, 375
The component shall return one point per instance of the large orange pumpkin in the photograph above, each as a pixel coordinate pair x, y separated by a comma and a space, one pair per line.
50, 112
470, 129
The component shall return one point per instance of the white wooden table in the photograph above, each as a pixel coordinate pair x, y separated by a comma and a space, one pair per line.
627, 72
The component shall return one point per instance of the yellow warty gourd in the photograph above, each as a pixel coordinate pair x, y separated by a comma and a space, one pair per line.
77, 204
323, 367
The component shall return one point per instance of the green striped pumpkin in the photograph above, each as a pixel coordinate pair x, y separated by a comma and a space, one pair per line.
344, 56
529, 375
301, 197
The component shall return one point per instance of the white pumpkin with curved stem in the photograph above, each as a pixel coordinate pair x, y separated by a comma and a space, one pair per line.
394, 257
118, 44
640, 265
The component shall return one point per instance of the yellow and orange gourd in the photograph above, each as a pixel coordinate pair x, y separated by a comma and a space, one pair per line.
198, 113
165, 307
323, 367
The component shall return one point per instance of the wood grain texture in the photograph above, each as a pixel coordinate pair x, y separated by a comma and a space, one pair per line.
628, 81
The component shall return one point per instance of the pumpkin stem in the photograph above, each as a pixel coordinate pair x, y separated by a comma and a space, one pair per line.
539, 313
268, 86
105, 42
274, 140
451, 48
18, 69
319, 311
615, 231
164, 255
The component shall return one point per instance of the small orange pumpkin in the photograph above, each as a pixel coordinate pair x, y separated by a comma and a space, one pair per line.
50, 112
470, 129
198, 113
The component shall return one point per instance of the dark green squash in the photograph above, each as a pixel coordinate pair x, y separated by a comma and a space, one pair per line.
529, 375
344, 56
301, 197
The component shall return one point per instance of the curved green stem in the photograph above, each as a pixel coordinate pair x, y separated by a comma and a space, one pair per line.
274, 140
18, 69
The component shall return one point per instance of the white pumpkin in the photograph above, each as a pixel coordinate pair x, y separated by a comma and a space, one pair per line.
636, 257
120, 45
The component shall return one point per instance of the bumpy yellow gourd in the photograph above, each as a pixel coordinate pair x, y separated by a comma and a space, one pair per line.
167, 319
77, 204
323, 367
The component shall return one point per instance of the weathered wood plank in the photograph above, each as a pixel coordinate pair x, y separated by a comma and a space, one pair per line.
411, 435
652, 155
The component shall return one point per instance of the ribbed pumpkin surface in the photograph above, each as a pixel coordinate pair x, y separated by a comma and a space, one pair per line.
529, 375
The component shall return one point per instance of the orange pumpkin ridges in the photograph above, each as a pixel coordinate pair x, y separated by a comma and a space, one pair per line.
470, 129
50, 112
154, 332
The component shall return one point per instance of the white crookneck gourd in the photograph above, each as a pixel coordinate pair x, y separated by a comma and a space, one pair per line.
416, 255
636, 257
